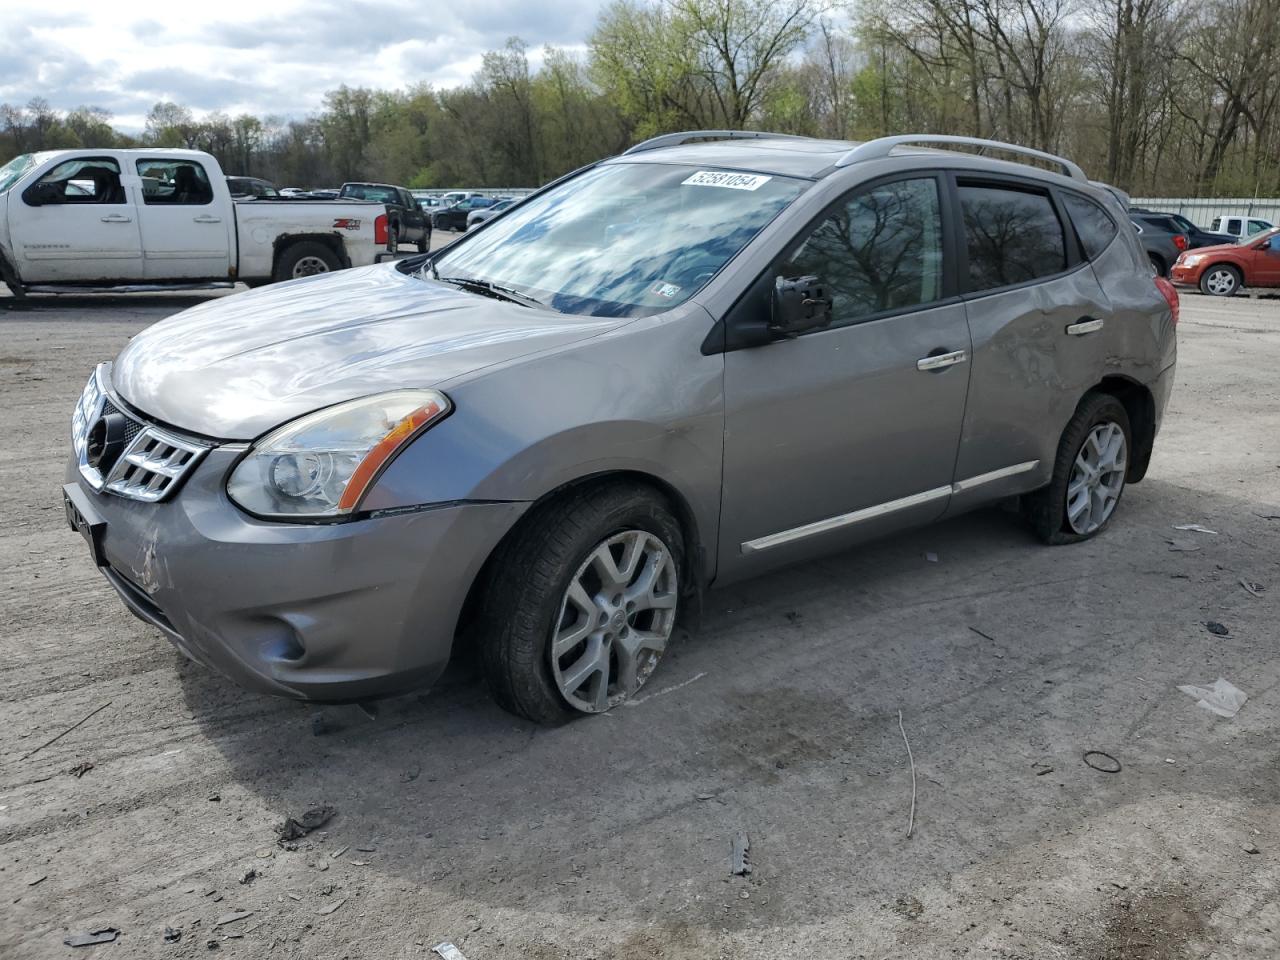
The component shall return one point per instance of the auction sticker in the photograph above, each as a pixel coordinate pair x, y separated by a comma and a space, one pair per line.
721, 178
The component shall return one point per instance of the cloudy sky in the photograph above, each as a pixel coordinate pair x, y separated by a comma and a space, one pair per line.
269, 56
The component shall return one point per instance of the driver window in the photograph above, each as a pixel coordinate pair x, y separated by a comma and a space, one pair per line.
83, 180
879, 250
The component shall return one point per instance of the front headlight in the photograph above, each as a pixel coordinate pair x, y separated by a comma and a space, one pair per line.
1190, 260
321, 465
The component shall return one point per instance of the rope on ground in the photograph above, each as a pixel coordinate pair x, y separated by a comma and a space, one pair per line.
911, 822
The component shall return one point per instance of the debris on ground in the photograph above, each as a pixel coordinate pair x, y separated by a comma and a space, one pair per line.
313, 819
1253, 588
410, 775
330, 908
172, 935
40, 879
1217, 629
447, 951
319, 724
1223, 698
1180, 545
1194, 528
931, 557
1251, 848
100, 935
1041, 769
740, 860
80, 769
232, 917
1102, 762
250, 875
53, 740
339, 852
911, 821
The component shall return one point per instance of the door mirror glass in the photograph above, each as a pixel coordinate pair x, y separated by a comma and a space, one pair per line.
799, 304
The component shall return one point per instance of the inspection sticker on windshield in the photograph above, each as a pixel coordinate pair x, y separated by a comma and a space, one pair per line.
719, 178
667, 290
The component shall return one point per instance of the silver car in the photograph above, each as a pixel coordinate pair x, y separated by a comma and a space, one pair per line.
687, 365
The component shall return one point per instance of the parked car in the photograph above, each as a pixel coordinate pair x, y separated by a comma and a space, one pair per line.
71, 219
1163, 246
408, 222
251, 187
691, 364
454, 217
1240, 227
477, 217
1196, 236
1222, 271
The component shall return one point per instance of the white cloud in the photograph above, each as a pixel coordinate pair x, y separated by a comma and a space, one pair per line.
278, 62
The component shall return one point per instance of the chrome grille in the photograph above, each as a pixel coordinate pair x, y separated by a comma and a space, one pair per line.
154, 460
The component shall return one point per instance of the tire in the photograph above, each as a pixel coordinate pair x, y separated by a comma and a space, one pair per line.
1221, 280
527, 601
1158, 263
424, 242
305, 259
1050, 510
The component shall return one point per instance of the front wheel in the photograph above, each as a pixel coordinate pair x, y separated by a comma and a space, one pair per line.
1220, 281
424, 242
1088, 474
582, 603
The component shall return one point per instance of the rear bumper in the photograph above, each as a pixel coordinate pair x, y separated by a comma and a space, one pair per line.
330, 612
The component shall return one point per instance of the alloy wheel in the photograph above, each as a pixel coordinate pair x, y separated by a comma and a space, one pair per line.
615, 620
1221, 282
1097, 478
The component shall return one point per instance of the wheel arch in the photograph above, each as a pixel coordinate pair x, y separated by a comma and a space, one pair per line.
694, 561
1140, 405
331, 240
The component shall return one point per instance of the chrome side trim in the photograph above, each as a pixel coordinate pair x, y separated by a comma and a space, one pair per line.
844, 520
994, 475
881, 509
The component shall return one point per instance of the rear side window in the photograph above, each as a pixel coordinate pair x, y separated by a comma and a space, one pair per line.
1013, 236
879, 250
166, 182
1257, 226
1094, 226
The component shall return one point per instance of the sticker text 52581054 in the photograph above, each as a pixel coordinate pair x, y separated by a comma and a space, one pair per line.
723, 178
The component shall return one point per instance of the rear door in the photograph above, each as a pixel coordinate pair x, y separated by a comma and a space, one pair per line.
186, 224
76, 223
849, 431
1038, 318
1265, 262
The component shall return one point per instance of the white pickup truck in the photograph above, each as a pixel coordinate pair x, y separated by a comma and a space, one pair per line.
72, 220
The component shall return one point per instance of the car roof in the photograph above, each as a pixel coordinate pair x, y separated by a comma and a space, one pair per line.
814, 158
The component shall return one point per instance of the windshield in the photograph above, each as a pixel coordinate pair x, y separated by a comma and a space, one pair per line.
369, 192
14, 169
622, 240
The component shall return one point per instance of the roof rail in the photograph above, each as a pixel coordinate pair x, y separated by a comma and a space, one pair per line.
676, 139
883, 146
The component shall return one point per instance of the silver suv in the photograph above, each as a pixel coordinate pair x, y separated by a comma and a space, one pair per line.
690, 364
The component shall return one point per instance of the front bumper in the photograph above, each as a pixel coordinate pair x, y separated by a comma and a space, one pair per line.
1185, 276
331, 612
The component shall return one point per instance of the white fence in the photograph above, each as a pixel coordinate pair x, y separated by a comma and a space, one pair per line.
1202, 211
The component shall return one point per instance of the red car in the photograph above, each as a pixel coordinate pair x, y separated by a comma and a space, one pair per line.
1223, 270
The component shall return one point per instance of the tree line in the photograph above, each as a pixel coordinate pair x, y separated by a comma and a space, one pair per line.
1164, 97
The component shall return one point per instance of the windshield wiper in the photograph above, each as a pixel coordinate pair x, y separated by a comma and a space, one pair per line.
489, 289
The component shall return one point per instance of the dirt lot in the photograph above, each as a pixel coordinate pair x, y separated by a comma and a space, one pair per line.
610, 838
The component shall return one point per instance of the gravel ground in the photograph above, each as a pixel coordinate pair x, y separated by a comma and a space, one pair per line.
610, 838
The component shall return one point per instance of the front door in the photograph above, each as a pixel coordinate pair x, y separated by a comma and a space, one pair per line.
1265, 266
186, 235
76, 224
848, 431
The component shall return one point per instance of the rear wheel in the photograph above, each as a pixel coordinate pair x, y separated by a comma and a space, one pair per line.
1158, 264
582, 603
1220, 280
1088, 474
306, 259
424, 242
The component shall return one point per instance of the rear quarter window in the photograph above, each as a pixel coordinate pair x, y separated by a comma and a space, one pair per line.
1013, 235
1093, 225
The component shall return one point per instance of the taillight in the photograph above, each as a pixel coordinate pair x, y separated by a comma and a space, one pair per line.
380, 230
1180, 241
1170, 294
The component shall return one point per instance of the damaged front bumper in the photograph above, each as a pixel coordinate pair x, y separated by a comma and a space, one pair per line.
331, 612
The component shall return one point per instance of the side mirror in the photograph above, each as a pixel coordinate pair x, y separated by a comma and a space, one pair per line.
38, 194
799, 304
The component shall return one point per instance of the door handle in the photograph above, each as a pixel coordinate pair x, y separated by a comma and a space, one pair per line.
116, 218
205, 218
1084, 325
942, 360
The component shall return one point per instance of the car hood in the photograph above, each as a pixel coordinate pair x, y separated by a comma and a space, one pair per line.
234, 368
1216, 248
